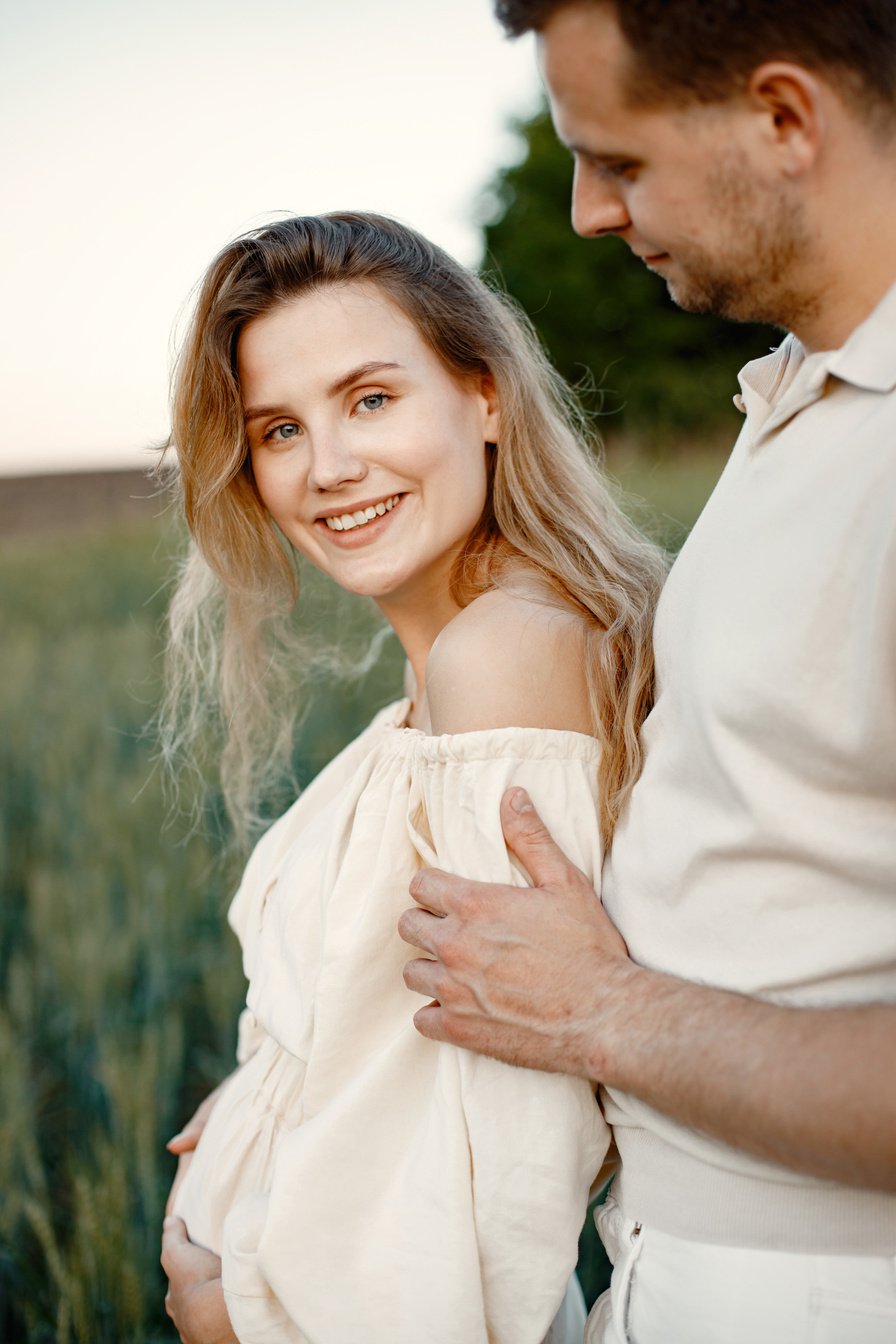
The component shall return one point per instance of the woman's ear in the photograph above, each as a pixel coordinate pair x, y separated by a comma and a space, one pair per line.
492, 414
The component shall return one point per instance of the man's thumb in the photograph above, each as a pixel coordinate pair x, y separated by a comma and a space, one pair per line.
532, 843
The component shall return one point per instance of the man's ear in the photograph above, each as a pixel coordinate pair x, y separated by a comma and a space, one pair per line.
791, 101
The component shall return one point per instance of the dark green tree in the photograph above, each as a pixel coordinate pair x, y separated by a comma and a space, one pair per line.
657, 372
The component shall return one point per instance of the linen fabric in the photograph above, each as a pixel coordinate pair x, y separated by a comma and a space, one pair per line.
758, 852
359, 1181
667, 1290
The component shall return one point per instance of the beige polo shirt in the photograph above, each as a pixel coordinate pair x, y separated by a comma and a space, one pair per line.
758, 853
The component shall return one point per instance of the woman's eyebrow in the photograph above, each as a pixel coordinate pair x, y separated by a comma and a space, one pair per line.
258, 412
346, 380
362, 371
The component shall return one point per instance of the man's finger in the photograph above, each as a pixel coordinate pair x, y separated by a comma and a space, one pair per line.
532, 843
420, 974
419, 928
428, 1022
431, 888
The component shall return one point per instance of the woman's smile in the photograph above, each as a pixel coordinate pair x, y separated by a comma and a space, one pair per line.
359, 523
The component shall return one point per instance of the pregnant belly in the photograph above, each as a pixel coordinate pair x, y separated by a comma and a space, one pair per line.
235, 1156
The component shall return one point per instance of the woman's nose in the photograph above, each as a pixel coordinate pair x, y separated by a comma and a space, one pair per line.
333, 463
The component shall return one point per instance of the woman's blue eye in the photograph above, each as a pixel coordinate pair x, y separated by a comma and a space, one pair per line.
374, 401
286, 431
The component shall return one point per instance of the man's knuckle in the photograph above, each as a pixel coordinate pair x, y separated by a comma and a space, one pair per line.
414, 973
452, 948
483, 902
405, 926
449, 995
468, 903
458, 1026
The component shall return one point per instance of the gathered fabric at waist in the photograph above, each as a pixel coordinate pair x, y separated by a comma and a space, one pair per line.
278, 1079
259, 1102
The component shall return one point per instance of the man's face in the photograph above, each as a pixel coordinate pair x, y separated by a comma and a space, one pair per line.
692, 190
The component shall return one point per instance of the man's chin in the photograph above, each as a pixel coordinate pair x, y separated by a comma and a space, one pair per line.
719, 300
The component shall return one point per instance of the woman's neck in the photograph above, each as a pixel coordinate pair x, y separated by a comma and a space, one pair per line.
417, 625
418, 620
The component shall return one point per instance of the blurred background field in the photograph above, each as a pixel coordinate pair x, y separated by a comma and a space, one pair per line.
121, 981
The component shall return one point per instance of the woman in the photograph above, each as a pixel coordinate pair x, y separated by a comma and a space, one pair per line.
350, 395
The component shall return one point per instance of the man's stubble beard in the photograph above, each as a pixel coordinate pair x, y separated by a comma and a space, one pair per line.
753, 275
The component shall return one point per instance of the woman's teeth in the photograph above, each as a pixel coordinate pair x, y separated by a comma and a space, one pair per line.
344, 522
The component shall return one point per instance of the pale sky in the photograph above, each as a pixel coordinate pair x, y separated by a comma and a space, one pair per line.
140, 137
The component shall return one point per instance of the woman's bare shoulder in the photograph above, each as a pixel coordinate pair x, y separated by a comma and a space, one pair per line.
511, 659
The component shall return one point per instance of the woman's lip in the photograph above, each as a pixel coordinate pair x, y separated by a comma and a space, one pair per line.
361, 505
358, 536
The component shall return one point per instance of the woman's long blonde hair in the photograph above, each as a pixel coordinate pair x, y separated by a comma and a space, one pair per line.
549, 510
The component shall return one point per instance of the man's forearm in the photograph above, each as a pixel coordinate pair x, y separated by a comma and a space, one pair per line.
811, 1088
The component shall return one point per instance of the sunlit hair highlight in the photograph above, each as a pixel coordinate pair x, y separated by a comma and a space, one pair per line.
550, 514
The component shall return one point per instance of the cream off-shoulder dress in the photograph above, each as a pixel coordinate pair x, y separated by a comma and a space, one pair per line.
364, 1185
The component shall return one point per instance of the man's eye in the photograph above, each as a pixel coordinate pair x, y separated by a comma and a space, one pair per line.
625, 171
614, 169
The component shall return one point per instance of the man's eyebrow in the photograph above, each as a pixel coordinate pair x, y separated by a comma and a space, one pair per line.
346, 380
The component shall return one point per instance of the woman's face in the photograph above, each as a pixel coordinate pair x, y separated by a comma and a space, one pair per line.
369, 455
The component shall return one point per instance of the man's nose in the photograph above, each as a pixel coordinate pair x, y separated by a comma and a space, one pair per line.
333, 462
597, 205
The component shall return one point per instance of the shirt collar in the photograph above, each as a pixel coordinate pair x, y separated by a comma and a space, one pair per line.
764, 381
867, 359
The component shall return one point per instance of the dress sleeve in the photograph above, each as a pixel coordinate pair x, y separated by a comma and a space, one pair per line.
434, 1193
266, 861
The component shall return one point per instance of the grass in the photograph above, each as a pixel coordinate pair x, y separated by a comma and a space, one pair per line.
121, 981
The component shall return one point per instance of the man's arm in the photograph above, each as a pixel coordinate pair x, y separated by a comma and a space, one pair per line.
540, 977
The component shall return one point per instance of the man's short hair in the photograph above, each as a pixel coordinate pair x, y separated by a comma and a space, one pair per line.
705, 50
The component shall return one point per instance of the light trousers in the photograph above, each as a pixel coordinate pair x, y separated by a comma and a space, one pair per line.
666, 1290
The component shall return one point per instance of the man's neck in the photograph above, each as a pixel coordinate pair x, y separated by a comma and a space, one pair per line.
840, 313
853, 261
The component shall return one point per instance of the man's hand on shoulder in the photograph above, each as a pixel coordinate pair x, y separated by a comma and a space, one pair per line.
540, 977
515, 972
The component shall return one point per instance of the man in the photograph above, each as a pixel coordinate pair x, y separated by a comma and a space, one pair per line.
744, 1033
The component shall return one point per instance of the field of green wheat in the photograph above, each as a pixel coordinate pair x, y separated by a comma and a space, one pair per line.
120, 982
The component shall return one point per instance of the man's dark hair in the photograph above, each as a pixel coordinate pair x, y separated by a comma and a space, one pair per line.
705, 50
